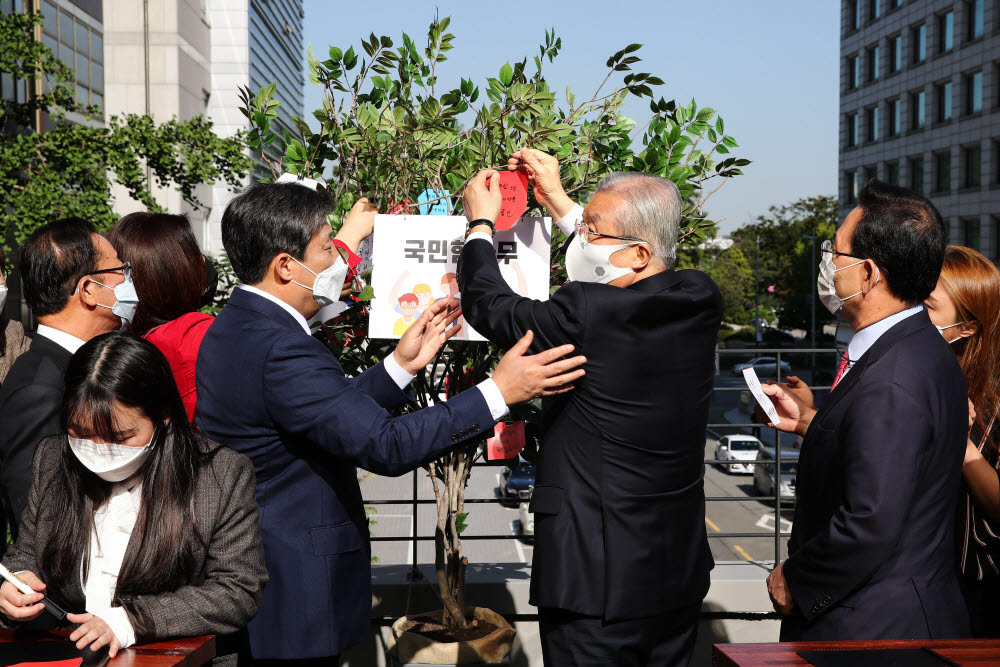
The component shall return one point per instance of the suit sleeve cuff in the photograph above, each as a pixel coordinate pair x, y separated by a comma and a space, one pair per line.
398, 374
567, 224
117, 620
480, 235
494, 399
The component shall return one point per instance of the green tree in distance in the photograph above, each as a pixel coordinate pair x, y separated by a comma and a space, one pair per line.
69, 169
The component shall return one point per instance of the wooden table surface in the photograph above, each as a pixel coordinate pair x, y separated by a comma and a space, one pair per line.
186, 652
965, 652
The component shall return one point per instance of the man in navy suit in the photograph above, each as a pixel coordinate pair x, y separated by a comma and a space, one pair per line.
622, 561
270, 390
872, 553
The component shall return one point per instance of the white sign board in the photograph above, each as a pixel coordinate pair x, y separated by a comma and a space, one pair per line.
414, 261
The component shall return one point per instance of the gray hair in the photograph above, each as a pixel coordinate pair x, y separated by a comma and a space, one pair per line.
652, 212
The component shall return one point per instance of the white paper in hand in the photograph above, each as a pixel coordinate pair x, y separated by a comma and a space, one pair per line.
750, 375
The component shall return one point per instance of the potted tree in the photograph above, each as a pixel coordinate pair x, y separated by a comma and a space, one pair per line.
386, 132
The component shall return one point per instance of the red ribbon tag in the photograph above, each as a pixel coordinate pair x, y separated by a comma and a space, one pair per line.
514, 189
403, 208
507, 441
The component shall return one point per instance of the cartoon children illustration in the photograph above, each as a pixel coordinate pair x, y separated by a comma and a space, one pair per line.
408, 305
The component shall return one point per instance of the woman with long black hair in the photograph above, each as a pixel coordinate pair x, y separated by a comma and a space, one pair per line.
135, 524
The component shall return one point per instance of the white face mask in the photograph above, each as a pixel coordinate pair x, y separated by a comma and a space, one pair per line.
591, 263
3, 296
126, 300
329, 282
109, 461
826, 288
941, 331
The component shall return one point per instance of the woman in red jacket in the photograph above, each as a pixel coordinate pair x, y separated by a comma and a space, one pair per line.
170, 278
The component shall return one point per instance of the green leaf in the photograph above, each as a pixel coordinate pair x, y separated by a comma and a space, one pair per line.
367, 294
336, 54
506, 74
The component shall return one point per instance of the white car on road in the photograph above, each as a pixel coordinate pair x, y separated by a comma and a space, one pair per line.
736, 453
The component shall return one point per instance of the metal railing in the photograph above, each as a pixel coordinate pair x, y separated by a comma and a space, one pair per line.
778, 353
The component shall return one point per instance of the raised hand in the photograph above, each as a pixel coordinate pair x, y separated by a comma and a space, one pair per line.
543, 175
481, 202
359, 224
423, 339
795, 414
520, 377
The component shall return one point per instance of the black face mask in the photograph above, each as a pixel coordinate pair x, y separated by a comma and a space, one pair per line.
211, 283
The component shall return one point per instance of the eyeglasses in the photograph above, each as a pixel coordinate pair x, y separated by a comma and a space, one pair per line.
827, 246
583, 232
125, 268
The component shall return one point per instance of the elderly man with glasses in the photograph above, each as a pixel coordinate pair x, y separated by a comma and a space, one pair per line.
621, 562
77, 288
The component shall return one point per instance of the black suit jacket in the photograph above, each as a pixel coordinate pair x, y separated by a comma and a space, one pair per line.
30, 403
619, 498
872, 553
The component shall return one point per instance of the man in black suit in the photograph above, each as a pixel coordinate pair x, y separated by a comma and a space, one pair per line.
872, 553
69, 273
621, 562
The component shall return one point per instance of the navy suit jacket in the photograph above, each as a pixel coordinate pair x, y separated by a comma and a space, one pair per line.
619, 497
270, 391
873, 553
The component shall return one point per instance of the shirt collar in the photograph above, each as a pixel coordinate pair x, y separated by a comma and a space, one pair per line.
64, 340
291, 311
864, 339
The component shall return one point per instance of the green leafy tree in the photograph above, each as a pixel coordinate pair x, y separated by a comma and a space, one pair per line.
70, 167
389, 128
786, 259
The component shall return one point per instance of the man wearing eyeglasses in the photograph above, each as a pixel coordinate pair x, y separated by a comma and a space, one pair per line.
873, 554
70, 276
621, 561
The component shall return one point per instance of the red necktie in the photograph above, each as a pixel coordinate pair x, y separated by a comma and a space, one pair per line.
840, 371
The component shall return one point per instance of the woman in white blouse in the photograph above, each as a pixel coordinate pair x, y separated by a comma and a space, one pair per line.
135, 524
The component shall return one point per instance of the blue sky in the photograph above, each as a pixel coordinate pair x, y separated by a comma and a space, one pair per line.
771, 68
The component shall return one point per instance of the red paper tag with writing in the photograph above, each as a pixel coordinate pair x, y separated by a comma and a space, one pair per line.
403, 208
514, 189
507, 441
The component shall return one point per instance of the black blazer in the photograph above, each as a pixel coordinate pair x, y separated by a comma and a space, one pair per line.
619, 498
30, 403
873, 553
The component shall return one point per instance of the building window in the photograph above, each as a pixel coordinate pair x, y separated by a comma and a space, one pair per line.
920, 43
853, 130
917, 107
871, 173
943, 98
917, 174
872, 56
871, 123
895, 117
852, 186
79, 47
942, 172
974, 92
970, 232
946, 32
854, 9
896, 53
892, 173
974, 15
895, 4
875, 10
972, 158
854, 71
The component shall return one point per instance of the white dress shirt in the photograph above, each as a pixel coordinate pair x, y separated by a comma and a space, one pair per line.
402, 378
61, 338
113, 525
864, 339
